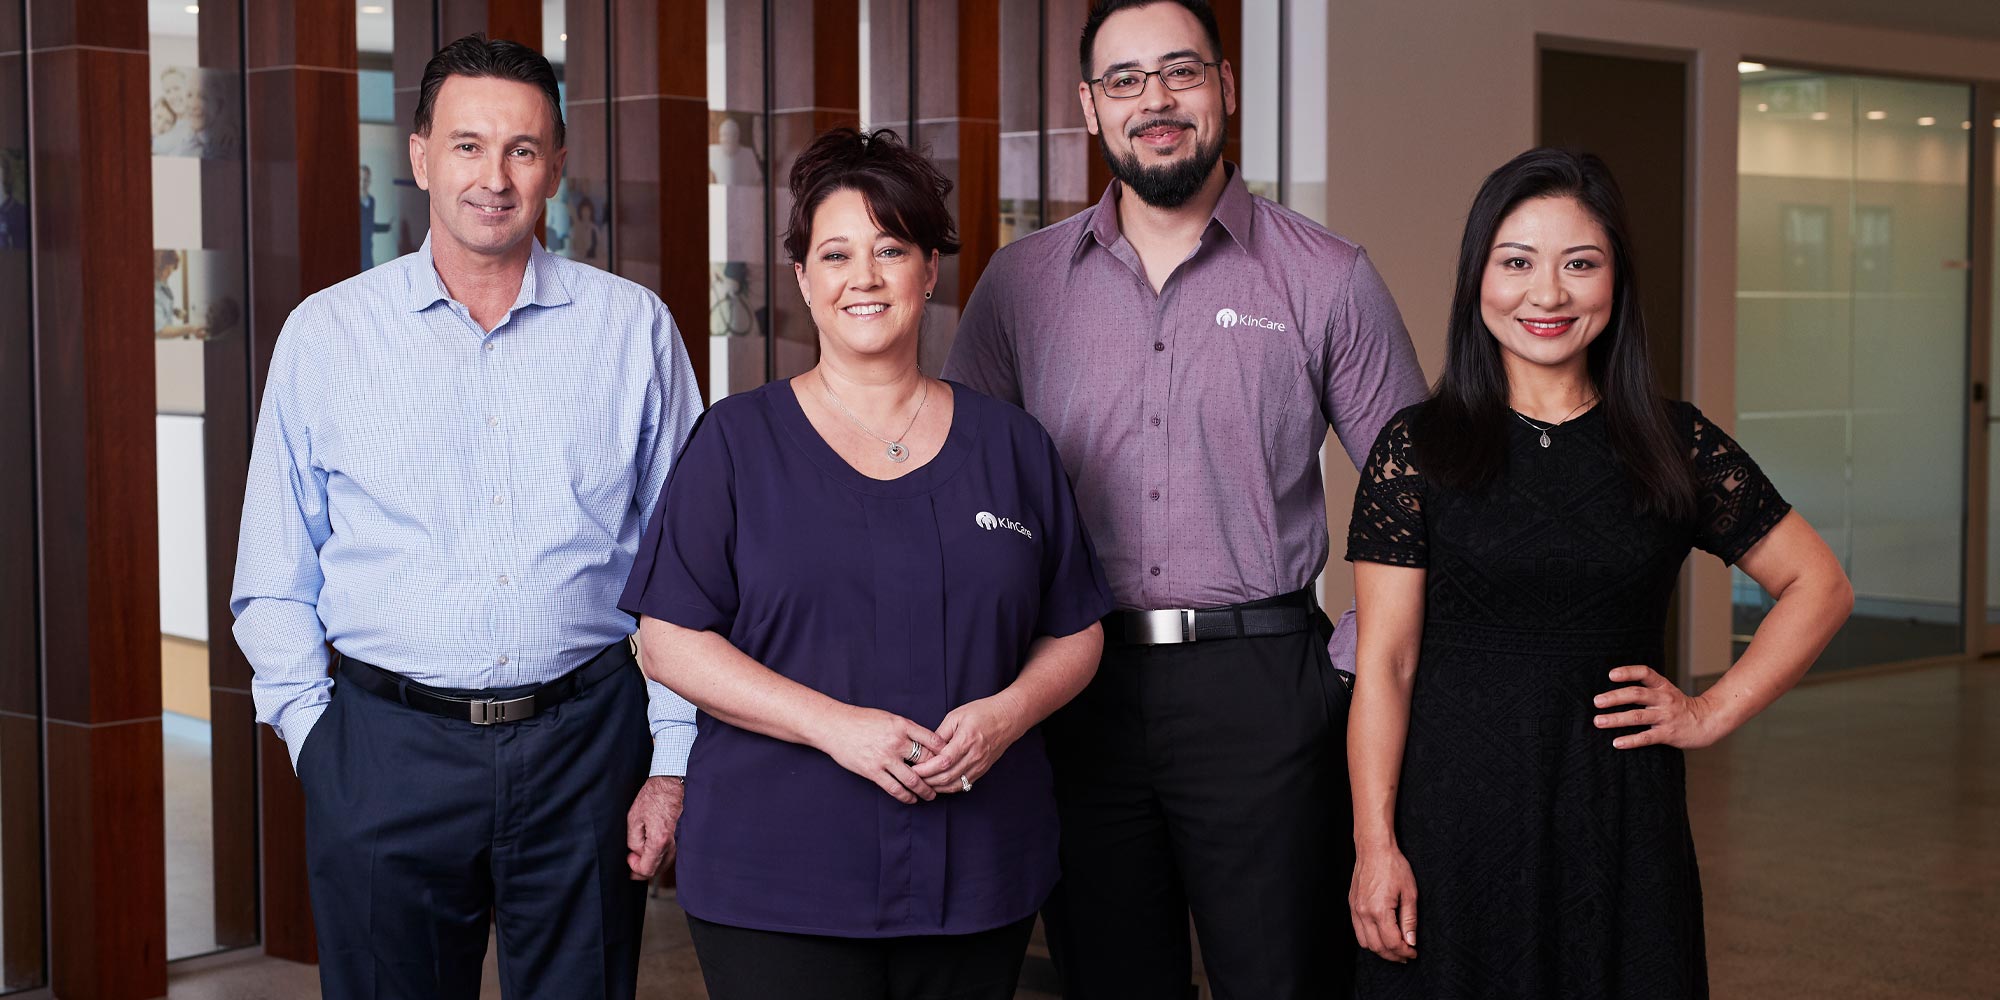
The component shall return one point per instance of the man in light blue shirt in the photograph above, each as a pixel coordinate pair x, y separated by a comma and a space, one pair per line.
456, 456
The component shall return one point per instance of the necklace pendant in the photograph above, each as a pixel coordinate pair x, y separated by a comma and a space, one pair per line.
1545, 441
898, 453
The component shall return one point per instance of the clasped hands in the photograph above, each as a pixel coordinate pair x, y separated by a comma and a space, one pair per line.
876, 745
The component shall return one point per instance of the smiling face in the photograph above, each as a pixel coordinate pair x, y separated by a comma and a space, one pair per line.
1547, 290
489, 163
866, 287
1162, 144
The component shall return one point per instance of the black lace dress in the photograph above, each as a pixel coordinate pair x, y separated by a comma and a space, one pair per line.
1548, 863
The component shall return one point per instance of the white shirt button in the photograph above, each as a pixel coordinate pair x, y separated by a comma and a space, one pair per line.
502, 661
503, 579
492, 421
499, 498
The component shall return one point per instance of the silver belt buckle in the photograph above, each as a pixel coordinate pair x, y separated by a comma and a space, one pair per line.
487, 712
1159, 628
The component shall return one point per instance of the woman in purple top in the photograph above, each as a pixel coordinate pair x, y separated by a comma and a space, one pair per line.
874, 585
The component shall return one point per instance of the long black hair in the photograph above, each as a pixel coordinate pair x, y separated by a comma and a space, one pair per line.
1462, 429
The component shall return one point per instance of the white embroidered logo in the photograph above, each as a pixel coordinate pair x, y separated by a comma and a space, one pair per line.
1226, 318
986, 520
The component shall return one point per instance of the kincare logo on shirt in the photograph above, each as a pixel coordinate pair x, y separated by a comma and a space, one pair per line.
1227, 317
986, 520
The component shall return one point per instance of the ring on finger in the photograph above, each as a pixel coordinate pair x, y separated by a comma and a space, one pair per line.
964, 783
916, 753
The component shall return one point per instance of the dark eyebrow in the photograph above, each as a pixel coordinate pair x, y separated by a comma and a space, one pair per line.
1586, 246
1517, 246
520, 140
1178, 55
830, 239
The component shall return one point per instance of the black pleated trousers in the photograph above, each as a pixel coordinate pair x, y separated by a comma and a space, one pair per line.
1208, 778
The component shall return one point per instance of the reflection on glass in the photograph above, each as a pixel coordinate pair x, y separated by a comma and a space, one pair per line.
738, 320
21, 903
385, 160
1021, 92
1851, 306
1258, 105
200, 355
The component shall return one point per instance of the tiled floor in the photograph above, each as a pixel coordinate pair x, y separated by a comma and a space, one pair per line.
1850, 843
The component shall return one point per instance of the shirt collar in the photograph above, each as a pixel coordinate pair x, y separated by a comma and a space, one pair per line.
1235, 210
541, 284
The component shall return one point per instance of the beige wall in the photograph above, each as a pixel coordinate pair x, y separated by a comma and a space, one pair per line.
1427, 96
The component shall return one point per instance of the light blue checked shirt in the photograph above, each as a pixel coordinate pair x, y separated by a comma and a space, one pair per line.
456, 505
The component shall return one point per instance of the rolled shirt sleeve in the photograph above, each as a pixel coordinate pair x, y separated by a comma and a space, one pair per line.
676, 405
275, 595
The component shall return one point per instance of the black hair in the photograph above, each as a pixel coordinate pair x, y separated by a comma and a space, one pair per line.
1462, 428
1105, 8
904, 190
477, 56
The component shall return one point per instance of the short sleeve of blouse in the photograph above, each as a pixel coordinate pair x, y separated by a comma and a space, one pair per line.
1074, 590
1736, 506
1388, 522
685, 569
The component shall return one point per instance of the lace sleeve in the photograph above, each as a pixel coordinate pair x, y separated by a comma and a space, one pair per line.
1736, 506
1388, 522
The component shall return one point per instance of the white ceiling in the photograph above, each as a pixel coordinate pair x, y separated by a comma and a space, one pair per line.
1979, 18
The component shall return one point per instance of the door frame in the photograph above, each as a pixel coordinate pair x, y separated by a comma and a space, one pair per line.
1981, 638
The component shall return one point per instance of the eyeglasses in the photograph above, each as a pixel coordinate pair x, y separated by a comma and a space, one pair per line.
1128, 83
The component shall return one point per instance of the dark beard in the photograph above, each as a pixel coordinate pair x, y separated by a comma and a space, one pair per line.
1168, 185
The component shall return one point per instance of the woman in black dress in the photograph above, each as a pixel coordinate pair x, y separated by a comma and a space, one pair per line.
1515, 752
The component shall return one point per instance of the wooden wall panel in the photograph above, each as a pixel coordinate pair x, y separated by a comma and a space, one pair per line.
93, 202
304, 141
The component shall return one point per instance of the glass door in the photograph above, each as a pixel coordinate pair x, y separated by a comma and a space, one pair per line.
1854, 238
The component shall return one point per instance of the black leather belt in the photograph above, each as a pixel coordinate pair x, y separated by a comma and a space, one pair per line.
472, 706
1280, 615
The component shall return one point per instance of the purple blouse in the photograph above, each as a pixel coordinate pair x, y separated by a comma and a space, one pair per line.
913, 596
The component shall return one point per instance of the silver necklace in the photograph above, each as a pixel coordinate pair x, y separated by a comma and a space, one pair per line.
896, 452
1546, 428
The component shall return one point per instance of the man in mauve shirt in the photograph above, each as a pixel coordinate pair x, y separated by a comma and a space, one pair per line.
1187, 344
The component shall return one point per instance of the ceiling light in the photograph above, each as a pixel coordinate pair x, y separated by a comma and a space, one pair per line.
1876, 116
1964, 124
564, 36
1763, 107
193, 8
1927, 121
1819, 116
1751, 67
374, 8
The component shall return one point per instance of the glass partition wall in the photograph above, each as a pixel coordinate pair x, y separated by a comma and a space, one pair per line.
201, 358
1852, 318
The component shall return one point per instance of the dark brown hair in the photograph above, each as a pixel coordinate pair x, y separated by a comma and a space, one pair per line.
477, 56
1105, 8
903, 189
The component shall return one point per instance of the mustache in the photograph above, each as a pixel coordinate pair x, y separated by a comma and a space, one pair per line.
1151, 123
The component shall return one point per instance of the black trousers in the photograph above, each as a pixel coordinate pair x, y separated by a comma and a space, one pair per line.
421, 832
1207, 778
738, 963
